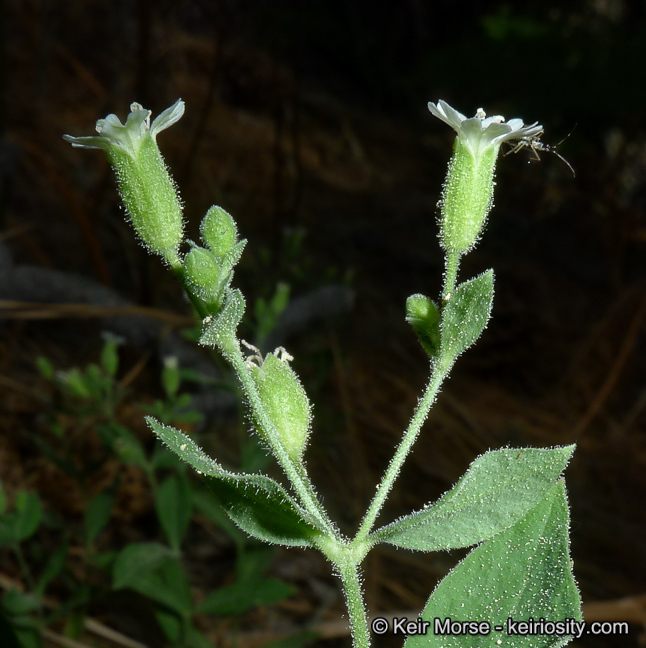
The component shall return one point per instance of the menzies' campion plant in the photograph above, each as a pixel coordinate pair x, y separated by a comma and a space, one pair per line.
510, 502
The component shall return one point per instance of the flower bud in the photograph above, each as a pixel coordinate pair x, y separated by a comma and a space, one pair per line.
203, 273
219, 231
285, 402
422, 314
147, 190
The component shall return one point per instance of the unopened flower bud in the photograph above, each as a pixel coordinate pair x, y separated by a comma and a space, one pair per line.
203, 273
422, 314
285, 402
219, 231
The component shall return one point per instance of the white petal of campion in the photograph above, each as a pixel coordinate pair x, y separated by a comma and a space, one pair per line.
168, 117
89, 142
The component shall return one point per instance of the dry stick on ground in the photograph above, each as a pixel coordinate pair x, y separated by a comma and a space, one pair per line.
91, 625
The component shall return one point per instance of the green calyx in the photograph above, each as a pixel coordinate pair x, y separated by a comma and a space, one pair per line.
203, 274
286, 404
219, 231
423, 315
150, 197
467, 197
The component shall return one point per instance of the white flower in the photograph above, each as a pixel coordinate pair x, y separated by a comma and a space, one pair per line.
128, 136
148, 192
481, 132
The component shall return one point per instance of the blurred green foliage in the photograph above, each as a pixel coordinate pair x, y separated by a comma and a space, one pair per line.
155, 569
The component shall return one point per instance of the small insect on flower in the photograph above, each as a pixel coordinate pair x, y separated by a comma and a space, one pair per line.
534, 144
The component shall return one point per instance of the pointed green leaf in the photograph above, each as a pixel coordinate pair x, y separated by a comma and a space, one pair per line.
196, 639
257, 504
206, 503
170, 623
244, 595
28, 515
173, 504
55, 565
466, 314
231, 258
224, 324
523, 573
98, 515
498, 489
152, 570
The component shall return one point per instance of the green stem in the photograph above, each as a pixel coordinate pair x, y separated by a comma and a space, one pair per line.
451, 275
354, 599
410, 436
296, 473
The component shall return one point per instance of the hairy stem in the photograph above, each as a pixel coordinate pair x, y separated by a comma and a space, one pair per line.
296, 473
452, 262
349, 573
410, 436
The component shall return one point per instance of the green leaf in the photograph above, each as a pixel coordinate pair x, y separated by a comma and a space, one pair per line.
162, 457
244, 595
253, 561
465, 315
208, 504
498, 489
524, 572
28, 515
125, 445
196, 639
152, 570
104, 559
170, 377
257, 504
16, 603
45, 367
253, 455
268, 313
55, 565
170, 623
98, 515
28, 632
110, 354
3, 500
231, 258
224, 324
173, 505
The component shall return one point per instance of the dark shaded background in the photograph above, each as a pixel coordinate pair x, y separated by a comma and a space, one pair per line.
309, 119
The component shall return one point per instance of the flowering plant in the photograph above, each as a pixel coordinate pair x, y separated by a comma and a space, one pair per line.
510, 502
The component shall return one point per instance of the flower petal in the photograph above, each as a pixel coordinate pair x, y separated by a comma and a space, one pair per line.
481, 132
88, 142
167, 118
